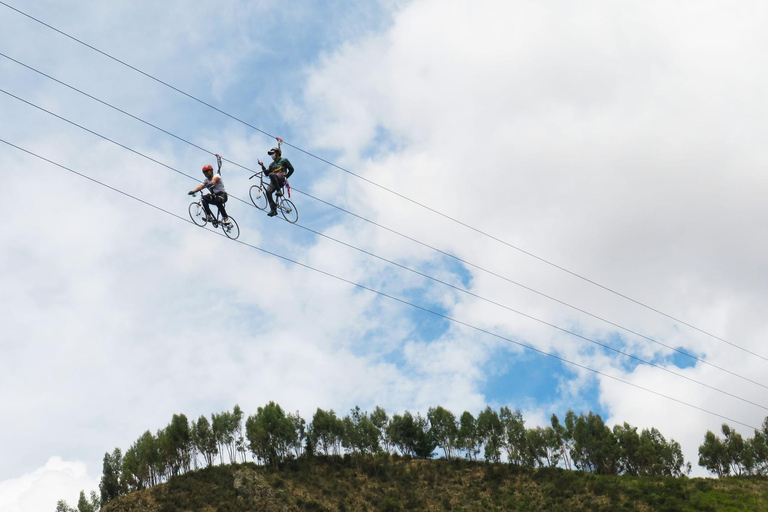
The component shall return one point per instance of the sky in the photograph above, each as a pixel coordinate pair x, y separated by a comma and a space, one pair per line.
575, 173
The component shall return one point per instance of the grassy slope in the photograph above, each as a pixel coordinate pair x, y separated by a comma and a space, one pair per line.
386, 485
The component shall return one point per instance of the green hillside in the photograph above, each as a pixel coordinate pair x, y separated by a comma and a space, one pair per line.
393, 483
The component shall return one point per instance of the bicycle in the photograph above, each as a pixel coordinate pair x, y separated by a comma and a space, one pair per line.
197, 213
285, 206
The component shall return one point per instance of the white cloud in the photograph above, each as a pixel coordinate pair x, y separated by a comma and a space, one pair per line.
41, 489
625, 144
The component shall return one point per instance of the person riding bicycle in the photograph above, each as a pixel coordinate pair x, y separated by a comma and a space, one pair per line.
279, 170
218, 195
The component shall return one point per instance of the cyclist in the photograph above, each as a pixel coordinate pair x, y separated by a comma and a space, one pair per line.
218, 195
279, 170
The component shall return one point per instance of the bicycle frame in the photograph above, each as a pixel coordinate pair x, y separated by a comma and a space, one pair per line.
197, 210
285, 206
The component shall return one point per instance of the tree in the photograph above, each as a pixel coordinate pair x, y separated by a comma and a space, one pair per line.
204, 440
760, 449
629, 449
468, 437
270, 433
712, 455
412, 435
594, 447
237, 420
135, 470
491, 431
300, 428
360, 434
380, 420
221, 425
85, 505
110, 486
179, 446
327, 431
739, 453
62, 506
513, 438
561, 439
444, 428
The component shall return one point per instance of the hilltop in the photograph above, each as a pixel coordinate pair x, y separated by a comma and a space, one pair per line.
394, 483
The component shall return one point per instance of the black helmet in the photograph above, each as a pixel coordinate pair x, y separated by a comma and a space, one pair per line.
275, 150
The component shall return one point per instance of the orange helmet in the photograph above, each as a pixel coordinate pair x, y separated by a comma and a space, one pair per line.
207, 168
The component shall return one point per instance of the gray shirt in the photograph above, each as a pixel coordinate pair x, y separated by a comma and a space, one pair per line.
215, 188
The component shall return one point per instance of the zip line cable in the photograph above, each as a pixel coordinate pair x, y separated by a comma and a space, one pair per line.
383, 294
675, 349
462, 290
437, 212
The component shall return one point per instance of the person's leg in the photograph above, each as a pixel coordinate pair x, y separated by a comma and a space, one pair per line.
271, 190
219, 202
206, 199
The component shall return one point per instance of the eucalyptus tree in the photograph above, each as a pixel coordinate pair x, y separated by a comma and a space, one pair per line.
444, 428
204, 440
412, 435
595, 448
360, 434
270, 433
179, 447
760, 449
630, 461
327, 431
713, 456
380, 420
491, 431
561, 439
111, 485
513, 437
468, 438
300, 428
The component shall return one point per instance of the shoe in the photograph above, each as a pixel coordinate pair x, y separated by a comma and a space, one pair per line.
208, 218
279, 193
226, 221
272, 213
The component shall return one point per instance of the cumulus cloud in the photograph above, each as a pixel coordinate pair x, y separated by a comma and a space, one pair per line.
622, 143
42, 488
603, 139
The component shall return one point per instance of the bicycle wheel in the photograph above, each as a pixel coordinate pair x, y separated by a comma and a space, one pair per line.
289, 211
197, 214
258, 197
232, 230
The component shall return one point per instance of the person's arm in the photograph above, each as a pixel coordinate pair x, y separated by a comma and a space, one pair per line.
196, 189
215, 179
289, 167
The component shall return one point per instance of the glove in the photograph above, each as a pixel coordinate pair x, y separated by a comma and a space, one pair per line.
191, 193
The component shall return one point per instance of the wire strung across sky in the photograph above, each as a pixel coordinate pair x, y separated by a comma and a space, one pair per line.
675, 349
459, 289
406, 198
382, 294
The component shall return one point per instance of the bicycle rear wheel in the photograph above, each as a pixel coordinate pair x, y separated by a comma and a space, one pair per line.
197, 214
258, 197
232, 230
289, 211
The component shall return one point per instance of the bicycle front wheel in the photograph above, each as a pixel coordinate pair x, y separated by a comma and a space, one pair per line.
197, 214
232, 230
289, 211
258, 197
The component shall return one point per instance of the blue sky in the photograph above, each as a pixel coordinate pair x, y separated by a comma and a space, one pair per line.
623, 144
